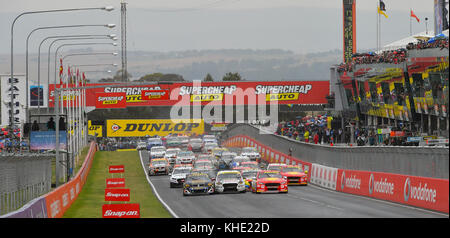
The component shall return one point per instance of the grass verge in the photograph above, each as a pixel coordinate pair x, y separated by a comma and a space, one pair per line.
92, 197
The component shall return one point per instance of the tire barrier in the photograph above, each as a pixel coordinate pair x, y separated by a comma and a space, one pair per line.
56, 202
423, 192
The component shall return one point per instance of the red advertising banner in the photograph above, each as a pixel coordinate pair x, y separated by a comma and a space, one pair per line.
155, 94
215, 93
131, 210
110, 100
115, 182
429, 193
117, 194
116, 169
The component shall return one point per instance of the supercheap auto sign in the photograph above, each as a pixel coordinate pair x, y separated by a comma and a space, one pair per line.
152, 127
217, 93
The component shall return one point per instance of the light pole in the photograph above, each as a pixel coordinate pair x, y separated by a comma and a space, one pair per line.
59, 38
56, 53
26, 53
107, 8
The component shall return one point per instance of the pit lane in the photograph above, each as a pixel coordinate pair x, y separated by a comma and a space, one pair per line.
301, 202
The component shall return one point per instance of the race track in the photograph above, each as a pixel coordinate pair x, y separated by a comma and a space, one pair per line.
301, 202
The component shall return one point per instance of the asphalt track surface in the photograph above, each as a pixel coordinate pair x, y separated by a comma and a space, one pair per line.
300, 202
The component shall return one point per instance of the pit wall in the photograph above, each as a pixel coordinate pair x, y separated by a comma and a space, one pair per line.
423, 192
56, 202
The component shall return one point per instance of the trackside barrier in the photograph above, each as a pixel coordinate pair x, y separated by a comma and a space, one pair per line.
55, 203
428, 193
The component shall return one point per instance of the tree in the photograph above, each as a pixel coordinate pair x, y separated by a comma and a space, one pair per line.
157, 77
232, 77
117, 77
208, 78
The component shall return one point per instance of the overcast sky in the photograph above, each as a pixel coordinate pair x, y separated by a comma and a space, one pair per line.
171, 25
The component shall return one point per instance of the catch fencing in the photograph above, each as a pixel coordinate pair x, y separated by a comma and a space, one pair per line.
53, 204
23, 178
421, 161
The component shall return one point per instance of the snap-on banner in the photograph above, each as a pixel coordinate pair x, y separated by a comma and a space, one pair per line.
115, 182
116, 169
117, 194
126, 210
429, 193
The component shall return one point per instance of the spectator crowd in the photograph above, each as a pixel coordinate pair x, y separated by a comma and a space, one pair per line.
391, 56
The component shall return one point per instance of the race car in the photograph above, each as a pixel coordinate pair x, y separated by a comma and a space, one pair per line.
158, 166
241, 168
142, 145
208, 146
197, 183
203, 164
248, 176
251, 153
294, 175
157, 152
153, 142
229, 181
172, 142
178, 176
267, 181
250, 164
275, 166
195, 145
171, 155
217, 152
237, 160
185, 157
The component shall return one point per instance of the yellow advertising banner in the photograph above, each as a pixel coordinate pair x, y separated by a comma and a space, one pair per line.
281, 96
152, 127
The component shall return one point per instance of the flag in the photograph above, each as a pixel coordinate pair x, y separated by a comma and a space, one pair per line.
60, 72
382, 9
382, 6
414, 15
84, 79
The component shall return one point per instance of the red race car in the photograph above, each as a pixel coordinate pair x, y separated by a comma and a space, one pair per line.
294, 175
267, 181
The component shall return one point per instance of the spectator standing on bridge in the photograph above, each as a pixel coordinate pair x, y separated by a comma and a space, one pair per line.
51, 124
35, 126
306, 135
316, 138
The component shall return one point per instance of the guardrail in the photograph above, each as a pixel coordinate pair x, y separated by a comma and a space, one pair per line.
428, 193
420, 161
56, 202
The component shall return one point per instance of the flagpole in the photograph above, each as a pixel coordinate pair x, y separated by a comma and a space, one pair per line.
410, 22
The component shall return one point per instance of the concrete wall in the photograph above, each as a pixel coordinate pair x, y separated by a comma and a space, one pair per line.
416, 161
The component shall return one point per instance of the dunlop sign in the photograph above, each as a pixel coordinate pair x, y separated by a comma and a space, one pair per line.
152, 127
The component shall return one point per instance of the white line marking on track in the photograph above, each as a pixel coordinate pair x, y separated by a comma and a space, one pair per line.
154, 189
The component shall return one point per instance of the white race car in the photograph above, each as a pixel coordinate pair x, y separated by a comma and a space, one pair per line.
229, 181
157, 152
171, 155
185, 157
251, 153
178, 176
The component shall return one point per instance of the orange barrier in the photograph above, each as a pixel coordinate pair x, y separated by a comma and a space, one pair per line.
60, 199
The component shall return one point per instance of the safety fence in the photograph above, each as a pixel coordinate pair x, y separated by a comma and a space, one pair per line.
56, 202
424, 192
23, 178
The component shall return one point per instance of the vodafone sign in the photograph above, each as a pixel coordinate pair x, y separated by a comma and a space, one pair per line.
131, 210
429, 193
